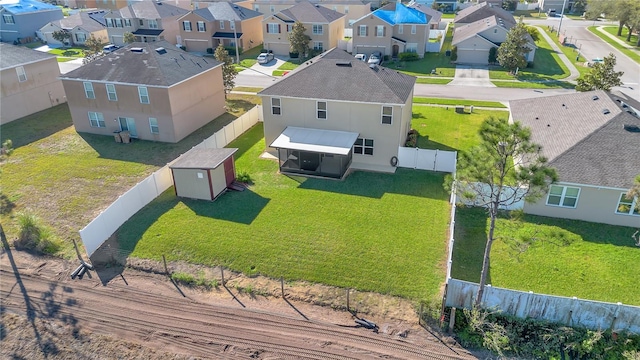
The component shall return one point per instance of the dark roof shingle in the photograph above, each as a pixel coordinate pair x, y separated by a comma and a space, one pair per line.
306, 12
481, 11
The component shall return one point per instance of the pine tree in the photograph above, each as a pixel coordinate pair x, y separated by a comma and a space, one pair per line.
601, 77
512, 53
299, 40
229, 71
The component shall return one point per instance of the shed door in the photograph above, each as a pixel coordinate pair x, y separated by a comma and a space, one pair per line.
229, 171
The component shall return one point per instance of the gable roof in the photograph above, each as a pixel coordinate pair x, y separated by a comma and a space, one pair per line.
151, 10
336, 75
466, 31
223, 10
147, 67
397, 13
28, 6
585, 145
434, 16
89, 21
13, 55
481, 11
306, 12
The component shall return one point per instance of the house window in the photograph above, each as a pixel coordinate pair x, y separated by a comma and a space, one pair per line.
563, 196
88, 90
400, 29
317, 45
144, 94
81, 37
22, 76
111, 92
153, 24
232, 25
628, 206
153, 125
411, 47
8, 19
387, 115
317, 29
321, 109
273, 28
127, 22
96, 119
256, 7
346, 9
362, 30
275, 106
201, 26
413, 29
141, 22
363, 146
379, 30
221, 24
118, 23
289, 28
186, 25
272, 8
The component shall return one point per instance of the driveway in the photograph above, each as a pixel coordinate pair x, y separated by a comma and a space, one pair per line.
266, 69
472, 75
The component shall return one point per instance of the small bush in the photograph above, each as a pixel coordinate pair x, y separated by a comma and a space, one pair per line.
184, 48
408, 56
34, 236
294, 55
232, 50
454, 53
209, 50
244, 177
412, 138
385, 58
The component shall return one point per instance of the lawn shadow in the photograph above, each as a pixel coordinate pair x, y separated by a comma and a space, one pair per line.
239, 207
425, 143
37, 126
419, 183
240, 104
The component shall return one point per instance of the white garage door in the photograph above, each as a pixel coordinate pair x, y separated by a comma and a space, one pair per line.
278, 48
480, 57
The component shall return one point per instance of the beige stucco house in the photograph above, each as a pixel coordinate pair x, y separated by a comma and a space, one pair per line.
149, 21
592, 139
336, 113
155, 91
220, 23
324, 26
29, 82
481, 11
81, 26
392, 29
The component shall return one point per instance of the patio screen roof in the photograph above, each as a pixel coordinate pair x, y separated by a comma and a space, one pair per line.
315, 140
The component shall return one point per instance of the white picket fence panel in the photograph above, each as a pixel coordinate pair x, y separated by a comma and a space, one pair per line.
427, 159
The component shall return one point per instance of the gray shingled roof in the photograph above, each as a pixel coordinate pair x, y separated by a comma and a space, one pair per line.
466, 31
306, 12
11, 55
481, 11
151, 10
434, 16
203, 158
585, 145
146, 68
82, 19
324, 79
223, 10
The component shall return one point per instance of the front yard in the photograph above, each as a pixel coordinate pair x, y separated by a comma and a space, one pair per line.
550, 256
376, 232
439, 62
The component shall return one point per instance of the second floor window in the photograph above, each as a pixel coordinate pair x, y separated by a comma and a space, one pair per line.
8, 19
221, 24
362, 30
232, 25
144, 94
201, 26
22, 76
88, 90
321, 109
317, 29
275, 106
118, 22
346, 9
380, 31
273, 28
127, 22
387, 115
153, 24
400, 29
186, 25
413, 29
111, 92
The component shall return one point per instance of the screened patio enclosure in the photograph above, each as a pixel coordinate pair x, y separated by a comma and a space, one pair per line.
325, 153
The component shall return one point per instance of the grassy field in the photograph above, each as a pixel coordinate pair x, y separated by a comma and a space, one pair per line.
534, 85
431, 61
613, 30
444, 129
372, 231
630, 53
247, 89
570, 51
439, 101
66, 178
73, 52
433, 80
550, 256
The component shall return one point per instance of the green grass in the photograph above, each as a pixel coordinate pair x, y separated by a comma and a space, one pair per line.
278, 72
566, 257
448, 16
534, 85
288, 65
444, 129
630, 53
433, 81
73, 52
356, 233
66, 178
439, 101
438, 61
33, 45
64, 59
570, 51
613, 30
247, 89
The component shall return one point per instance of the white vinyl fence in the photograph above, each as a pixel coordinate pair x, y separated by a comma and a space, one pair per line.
436, 46
569, 311
480, 188
426, 159
129, 203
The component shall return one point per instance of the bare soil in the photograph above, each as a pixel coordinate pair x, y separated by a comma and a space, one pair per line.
137, 312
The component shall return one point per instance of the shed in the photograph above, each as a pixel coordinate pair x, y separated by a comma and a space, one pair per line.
203, 173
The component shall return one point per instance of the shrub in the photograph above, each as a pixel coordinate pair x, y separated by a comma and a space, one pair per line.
34, 236
412, 138
385, 58
294, 55
454, 53
232, 50
408, 56
209, 50
244, 177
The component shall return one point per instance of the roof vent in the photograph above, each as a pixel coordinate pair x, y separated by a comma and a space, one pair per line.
161, 50
632, 128
595, 97
136, 49
343, 63
606, 111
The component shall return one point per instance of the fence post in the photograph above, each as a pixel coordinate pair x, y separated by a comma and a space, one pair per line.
452, 319
222, 275
348, 308
282, 286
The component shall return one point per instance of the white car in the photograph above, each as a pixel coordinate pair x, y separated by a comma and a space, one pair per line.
375, 58
265, 58
361, 57
110, 48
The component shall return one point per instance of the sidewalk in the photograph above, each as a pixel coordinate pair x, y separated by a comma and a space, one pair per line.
614, 38
572, 69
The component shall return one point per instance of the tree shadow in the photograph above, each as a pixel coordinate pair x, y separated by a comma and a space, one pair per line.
37, 126
239, 104
6, 205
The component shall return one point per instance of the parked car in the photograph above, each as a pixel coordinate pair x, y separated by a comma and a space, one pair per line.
361, 57
375, 58
551, 13
593, 61
265, 57
110, 48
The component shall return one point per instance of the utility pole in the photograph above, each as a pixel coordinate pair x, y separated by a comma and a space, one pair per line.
564, 4
235, 40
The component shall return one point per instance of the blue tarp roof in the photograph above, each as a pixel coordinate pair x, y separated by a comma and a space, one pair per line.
401, 15
26, 6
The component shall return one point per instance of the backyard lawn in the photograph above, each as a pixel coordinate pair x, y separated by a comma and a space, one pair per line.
375, 232
550, 256
74, 52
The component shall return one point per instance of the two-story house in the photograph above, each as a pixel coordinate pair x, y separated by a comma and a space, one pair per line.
148, 21
81, 26
154, 91
29, 82
336, 113
220, 23
22, 18
481, 11
392, 29
434, 16
324, 26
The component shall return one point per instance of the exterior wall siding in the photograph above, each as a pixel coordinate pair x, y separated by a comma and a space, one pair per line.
189, 185
474, 51
26, 24
594, 205
370, 43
